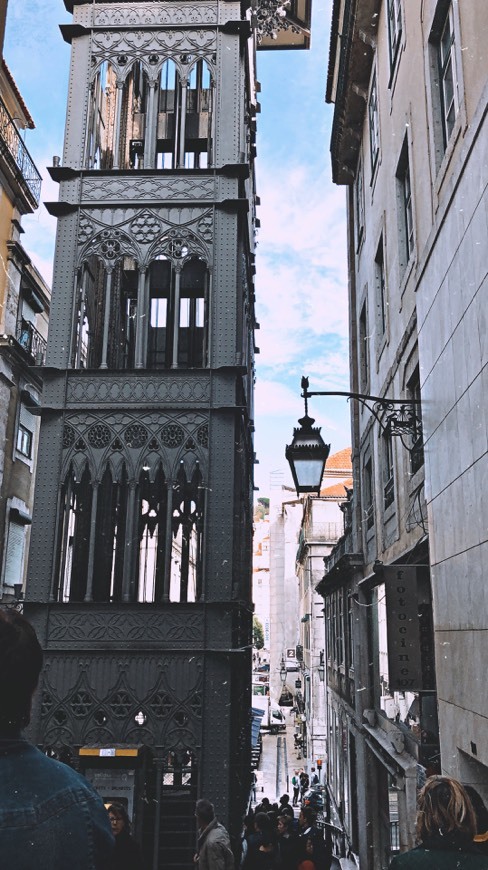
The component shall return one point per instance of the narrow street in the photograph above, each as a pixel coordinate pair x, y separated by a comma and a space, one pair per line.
277, 764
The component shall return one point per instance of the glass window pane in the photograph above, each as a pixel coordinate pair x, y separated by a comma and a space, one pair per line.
159, 312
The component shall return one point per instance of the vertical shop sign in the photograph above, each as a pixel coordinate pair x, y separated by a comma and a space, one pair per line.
404, 654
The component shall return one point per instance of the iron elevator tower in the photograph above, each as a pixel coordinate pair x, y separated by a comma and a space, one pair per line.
140, 570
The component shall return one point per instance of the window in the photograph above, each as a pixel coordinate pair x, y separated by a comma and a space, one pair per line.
25, 432
405, 209
146, 541
417, 449
363, 348
350, 629
177, 315
368, 506
444, 75
24, 441
388, 477
394, 28
448, 77
359, 202
374, 121
134, 125
172, 292
380, 288
14, 554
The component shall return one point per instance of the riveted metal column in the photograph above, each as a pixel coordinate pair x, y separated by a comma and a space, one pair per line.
176, 317
106, 319
184, 90
150, 131
60, 564
131, 531
168, 539
118, 116
142, 319
80, 320
158, 763
91, 549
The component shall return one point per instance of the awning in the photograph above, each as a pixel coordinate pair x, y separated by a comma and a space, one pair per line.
257, 715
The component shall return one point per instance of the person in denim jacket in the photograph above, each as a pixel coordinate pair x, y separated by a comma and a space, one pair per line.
50, 816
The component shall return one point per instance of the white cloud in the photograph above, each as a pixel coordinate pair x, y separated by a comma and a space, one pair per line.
301, 281
40, 227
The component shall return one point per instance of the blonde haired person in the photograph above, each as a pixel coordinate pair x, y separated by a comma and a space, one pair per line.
446, 826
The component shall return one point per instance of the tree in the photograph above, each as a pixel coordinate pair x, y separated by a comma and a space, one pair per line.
261, 509
257, 633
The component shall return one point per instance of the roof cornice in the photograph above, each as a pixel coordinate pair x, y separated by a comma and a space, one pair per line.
350, 62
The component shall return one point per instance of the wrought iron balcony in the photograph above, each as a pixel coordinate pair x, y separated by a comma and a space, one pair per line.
20, 162
32, 341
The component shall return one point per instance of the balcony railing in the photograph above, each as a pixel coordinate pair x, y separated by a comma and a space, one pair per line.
32, 341
17, 155
319, 532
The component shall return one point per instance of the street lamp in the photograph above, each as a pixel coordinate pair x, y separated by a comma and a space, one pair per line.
283, 671
321, 667
308, 453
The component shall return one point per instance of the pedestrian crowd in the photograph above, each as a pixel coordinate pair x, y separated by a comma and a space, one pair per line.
272, 839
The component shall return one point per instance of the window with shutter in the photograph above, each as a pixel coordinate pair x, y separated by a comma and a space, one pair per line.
14, 557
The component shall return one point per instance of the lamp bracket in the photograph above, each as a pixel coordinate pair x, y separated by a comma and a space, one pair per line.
394, 416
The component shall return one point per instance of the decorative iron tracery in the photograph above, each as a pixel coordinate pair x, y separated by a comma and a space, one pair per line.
171, 712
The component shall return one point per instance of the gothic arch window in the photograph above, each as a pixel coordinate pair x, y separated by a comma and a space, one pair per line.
106, 315
177, 320
133, 118
184, 122
110, 538
101, 118
152, 515
198, 120
117, 117
123, 540
187, 533
169, 100
74, 537
89, 313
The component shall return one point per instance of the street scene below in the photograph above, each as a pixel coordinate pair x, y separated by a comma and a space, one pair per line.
279, 766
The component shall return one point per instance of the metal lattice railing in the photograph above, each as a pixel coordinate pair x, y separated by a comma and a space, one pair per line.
32, 341
14, 149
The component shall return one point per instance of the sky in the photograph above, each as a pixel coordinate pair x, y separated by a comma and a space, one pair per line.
301, 264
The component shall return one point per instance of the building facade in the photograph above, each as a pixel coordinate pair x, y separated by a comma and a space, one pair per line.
409, 86
24, 312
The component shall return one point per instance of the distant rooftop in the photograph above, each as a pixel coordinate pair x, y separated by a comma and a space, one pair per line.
340, 461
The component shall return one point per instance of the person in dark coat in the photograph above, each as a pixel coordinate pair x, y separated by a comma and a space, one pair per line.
263, 835
446, 825
50, 815
127, 854
481, 813
321, 848
287, 842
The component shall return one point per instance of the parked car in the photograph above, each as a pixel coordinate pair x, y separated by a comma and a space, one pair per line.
314, 798
286, 698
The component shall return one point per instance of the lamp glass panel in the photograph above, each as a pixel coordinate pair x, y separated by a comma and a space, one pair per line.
309, 472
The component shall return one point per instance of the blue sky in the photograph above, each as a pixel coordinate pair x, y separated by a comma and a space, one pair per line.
301, 281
